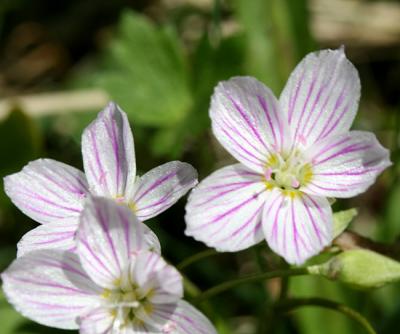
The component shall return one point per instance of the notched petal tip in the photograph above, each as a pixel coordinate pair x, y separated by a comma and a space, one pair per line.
112, 107
108, 153
187, 174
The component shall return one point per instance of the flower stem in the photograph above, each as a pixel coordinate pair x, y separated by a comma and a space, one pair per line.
293, 303
249, 279
196, 257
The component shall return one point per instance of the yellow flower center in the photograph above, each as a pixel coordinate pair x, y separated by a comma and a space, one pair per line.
120, 199
125, 301
288, 172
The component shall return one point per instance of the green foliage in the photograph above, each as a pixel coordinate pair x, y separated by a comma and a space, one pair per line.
276, 36
390, 229
20, 142
342, 219
164, 83
146, 72
312, 320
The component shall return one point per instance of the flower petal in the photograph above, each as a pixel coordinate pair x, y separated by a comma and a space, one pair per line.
182, 318
109, 154
247, 121
297, 226
151, 272
54, 236
50, 288
98, 320
224, 211
161, 187
47, 190
107, 237
346, 165
321, 96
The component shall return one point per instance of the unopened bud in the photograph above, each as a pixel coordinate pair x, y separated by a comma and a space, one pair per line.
360, 268
341, 220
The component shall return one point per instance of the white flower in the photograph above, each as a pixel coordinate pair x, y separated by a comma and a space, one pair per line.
53, 193
114, 283
293, 152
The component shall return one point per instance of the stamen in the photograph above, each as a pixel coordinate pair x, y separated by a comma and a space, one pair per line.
287, 171
268, 174
295, 183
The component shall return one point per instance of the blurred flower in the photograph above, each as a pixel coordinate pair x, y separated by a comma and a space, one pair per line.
293, 154
53, 193
114, 283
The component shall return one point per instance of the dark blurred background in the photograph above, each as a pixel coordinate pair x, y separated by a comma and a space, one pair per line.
61, 61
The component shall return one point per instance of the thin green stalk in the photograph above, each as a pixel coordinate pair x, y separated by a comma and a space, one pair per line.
284, 284
290, 304
262, 267
249, 279
196, 257
192, 291
216, 27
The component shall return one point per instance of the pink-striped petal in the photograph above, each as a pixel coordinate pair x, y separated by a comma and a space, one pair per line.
224, 211
98, 321
53, 236
181, 318
50, 288
321, 96
247, 121
151, 273
109, 154
346, 165
297, 226
47, 191
107, 237
161, 187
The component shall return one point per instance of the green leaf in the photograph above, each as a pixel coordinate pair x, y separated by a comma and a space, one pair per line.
341, 220
277, 37
390, 230
311, 320
146, 73
20, 142
9, 318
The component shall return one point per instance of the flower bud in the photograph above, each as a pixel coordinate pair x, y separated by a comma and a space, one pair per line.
341, 220
360, 268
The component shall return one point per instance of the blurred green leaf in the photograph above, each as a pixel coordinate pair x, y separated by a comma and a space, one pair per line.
20, 142
277, 37
146, 73
299, 26
313, 320
210, 64
9, 318
390, 230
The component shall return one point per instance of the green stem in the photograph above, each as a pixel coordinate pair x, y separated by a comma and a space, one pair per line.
196, 257
249, 279
216, 26
284, 284
290, 304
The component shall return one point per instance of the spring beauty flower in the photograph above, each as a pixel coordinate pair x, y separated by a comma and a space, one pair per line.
112, 284
293, 154
53, 193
